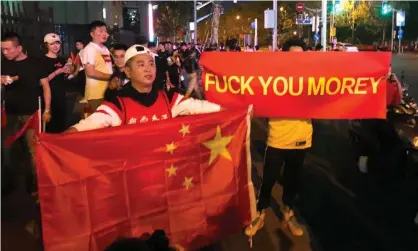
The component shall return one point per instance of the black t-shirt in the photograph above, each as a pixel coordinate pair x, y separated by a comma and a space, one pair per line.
58, 84
190, 61
21, 96
160, 77
163, 54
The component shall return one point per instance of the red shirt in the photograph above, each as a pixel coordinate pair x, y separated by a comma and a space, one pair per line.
393, 93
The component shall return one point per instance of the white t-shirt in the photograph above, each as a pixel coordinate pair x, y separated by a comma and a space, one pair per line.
100, 57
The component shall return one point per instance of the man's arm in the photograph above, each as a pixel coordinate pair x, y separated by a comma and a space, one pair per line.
190, 106
91, 72
104, 116
47, 93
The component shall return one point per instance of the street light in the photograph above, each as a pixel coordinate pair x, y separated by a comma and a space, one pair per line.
281, 9
237, 17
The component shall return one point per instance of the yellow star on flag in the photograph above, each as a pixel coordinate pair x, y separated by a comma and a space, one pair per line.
170, 147
218, 146
171, 171
188, 182
184, 129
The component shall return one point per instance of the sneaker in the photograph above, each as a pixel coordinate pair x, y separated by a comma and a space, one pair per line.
362, 164
292, 223
33, 228
256, 225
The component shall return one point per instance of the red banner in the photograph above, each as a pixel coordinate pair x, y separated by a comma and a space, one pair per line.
330, 85
189, 176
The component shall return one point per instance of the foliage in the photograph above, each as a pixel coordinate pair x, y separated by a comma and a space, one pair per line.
172, 18
354, 13
381, 22
231, 27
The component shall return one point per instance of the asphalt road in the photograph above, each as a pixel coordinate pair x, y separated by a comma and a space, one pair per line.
407, 63
343, 209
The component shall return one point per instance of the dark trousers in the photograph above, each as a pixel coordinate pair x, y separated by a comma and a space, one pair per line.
21, 149
57, 124
274, 160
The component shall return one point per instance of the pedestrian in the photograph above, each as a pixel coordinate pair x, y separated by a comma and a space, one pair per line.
56, 69
98, 65
287, 142
119, 75
190, 67
139, 101
21, 80
161, 64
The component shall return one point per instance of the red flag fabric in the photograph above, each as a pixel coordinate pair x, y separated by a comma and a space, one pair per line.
189, 176
3, 115
32, 123
330, 85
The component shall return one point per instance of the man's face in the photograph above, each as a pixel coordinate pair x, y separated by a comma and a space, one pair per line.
161, 47
10, 50
183, 47
153, 49
119, 56
79, 46
142, 70
296, 48
54, 47
99, 34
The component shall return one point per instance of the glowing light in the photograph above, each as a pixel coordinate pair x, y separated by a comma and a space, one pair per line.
104, 13
150, 23
238, 17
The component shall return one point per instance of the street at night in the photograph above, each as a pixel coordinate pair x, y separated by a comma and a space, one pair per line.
342, 208
209, 125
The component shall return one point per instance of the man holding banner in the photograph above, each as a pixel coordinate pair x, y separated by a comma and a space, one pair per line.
287, 142
138, 102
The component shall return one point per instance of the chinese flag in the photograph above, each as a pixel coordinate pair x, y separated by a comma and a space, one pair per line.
32, 123
189, 176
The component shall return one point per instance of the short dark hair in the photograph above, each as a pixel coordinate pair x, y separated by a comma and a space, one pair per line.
141, 40
79, 41
293, 43
151, 44
119, 47
13, 37
96, 24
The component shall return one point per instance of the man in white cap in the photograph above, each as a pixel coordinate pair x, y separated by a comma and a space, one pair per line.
138, 102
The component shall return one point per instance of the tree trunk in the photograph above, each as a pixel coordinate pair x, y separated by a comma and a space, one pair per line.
352, 35
384, 35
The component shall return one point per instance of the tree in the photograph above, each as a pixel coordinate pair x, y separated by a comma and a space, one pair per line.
381, 23
172, 18
232, 27
354, 13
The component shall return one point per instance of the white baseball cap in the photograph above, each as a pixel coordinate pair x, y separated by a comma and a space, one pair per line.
51, 38
137, 50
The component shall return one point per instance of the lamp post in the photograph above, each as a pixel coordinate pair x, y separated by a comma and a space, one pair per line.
324, 25
275, 25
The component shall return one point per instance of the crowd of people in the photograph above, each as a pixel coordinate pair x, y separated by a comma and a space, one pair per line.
130, 85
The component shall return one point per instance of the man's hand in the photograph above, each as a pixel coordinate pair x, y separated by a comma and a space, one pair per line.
4, 80
46, 116
60, 71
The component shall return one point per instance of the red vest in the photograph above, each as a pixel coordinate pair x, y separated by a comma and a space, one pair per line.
135, 113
